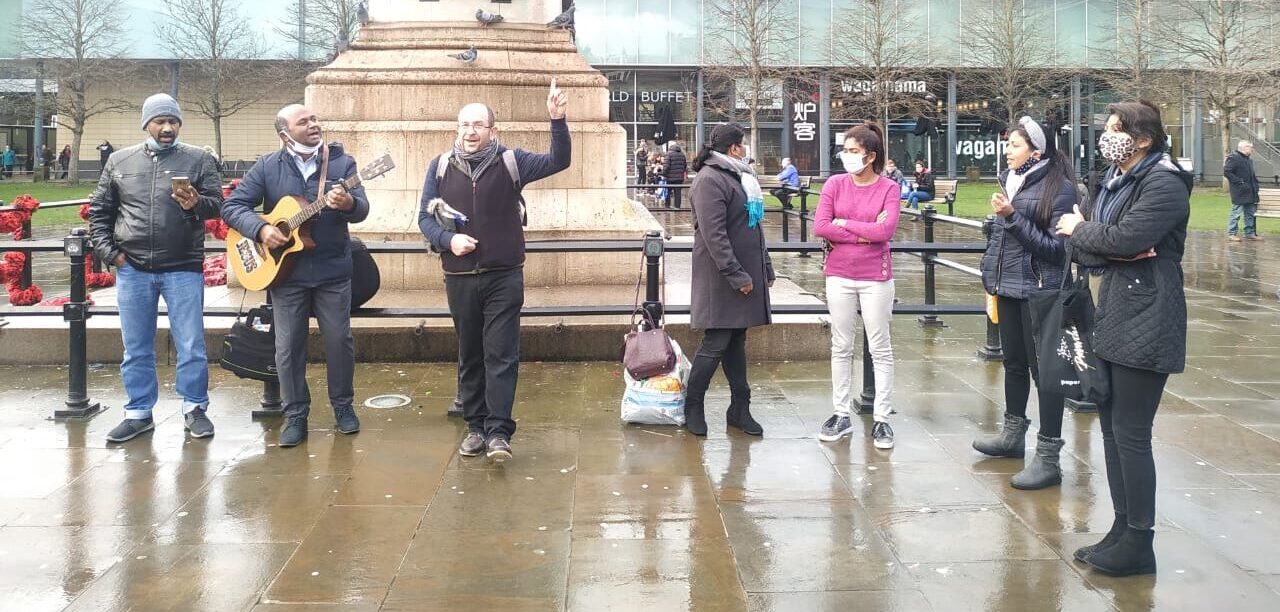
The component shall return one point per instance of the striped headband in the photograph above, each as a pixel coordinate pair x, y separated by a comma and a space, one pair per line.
1033, 130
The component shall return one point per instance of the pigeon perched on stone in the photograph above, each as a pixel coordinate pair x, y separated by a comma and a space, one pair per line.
467, 56
362, 13
563, 21
486, 18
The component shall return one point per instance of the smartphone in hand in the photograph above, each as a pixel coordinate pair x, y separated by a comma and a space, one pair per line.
180, 182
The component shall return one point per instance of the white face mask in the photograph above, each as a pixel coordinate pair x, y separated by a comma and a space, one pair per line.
854, 163
300, 148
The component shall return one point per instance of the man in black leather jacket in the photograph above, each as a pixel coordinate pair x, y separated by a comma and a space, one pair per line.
147, 218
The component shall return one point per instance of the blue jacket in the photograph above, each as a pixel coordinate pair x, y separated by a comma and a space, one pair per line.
532, 166
790, 176
275, 176
10, 158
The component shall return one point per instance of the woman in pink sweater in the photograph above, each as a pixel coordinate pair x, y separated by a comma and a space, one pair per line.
858, 214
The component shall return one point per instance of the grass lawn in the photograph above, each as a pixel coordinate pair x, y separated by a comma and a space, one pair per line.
48, 192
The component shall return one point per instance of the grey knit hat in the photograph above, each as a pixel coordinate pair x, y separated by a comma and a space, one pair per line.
160, 105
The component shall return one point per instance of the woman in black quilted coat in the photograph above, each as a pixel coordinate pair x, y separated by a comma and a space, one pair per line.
1132, 239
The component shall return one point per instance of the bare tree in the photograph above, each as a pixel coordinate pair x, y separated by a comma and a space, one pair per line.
76, 41
882, 59
221, 46
1135, 53
749, 44
1012, 56
322, 28
1228, 47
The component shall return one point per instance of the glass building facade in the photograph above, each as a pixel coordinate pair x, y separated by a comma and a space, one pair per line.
656, 55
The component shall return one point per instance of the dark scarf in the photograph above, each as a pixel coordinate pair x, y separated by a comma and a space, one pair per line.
1117, 187
474, 164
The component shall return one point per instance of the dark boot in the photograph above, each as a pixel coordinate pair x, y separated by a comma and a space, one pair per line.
739, 416
1131, 555
1043, 471
1010, 441
1121, 523
695, 420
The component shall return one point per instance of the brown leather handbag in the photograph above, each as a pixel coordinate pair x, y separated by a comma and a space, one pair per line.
646, 352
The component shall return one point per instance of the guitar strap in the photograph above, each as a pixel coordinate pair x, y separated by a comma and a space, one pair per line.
324, 172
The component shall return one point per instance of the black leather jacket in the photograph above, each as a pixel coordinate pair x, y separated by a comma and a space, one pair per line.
132, 211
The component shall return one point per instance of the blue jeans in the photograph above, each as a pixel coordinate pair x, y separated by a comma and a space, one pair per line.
1250, 223
138, 293
914, 198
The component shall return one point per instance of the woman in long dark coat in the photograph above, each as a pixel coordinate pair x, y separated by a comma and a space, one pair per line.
732, 274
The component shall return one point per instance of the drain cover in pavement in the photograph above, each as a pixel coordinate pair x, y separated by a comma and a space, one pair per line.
387, 401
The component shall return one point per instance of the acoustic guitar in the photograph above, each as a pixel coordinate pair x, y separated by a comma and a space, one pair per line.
258, 267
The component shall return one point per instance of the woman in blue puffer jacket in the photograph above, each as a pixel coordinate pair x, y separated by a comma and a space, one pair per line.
1025, 254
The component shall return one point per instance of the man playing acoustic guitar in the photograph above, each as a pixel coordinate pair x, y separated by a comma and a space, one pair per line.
320, 282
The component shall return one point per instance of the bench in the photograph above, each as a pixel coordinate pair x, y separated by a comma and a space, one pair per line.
1269, 202
772, 182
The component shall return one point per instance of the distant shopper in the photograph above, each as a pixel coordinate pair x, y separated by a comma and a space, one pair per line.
732, 274
858, 214
1132, 238
104, 151
676, 170
790, 179
1025, 254
892, 172
1243, 182
64, 160
922, 187
8, 160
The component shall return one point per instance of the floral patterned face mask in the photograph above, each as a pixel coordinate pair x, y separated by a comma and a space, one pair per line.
1117, 147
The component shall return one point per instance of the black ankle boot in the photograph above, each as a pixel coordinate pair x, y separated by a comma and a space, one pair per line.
1121, 523
695, 420
1131, 555
739, 416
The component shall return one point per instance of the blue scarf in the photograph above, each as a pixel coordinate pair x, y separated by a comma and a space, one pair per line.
1117, 187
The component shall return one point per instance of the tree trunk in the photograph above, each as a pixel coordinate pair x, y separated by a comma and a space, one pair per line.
1225, 130
73, 168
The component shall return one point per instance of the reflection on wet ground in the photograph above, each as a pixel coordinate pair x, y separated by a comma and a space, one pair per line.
594, 515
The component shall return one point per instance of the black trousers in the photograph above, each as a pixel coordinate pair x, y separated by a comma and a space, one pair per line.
1017, 339
784, 195
486, 317
1126, 421
727, 347
676, 193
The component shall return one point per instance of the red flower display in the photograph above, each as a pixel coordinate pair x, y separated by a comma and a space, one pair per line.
215, 271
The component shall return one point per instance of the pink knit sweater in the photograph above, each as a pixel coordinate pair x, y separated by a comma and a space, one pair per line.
860, 249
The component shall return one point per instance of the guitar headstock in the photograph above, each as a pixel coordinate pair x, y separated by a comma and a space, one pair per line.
377, 167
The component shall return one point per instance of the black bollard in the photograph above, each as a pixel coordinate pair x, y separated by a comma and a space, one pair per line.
992, 351
76, 313
270, 406
653, 252
270, 402
927, 212
804, 221
867, 401
25, 280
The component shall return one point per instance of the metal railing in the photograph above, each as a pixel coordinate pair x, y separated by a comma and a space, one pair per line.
78, 310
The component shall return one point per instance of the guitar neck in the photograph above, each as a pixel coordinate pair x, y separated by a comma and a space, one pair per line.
313, 208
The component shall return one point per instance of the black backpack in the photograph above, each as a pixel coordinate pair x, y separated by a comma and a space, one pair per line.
249, 349
365, 277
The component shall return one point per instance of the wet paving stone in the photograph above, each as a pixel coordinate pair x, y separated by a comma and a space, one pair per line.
593, 514
351, 556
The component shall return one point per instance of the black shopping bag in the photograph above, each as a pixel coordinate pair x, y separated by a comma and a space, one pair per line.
1063, 320
249, 349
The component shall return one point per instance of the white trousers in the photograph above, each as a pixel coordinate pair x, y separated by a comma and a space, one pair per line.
844, 297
